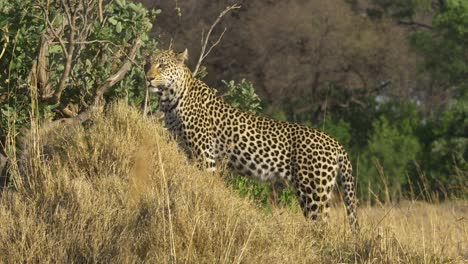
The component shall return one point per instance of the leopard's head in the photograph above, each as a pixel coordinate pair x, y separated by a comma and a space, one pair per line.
167, 68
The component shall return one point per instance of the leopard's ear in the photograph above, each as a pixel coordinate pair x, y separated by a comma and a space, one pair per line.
183, 56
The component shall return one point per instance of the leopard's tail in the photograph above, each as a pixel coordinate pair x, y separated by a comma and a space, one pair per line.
349, 191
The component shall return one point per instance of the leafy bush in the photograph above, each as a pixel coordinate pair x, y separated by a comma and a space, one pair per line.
242, 96
445, 139
340, 130
250, 188
383, 164
66, 54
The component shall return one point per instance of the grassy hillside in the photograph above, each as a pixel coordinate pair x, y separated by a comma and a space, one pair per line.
118, 190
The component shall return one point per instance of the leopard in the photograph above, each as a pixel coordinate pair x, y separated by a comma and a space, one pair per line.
211, 131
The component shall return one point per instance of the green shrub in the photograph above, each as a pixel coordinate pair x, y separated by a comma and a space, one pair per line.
384, 163
38, 35
242, 96
340, 130
445, 140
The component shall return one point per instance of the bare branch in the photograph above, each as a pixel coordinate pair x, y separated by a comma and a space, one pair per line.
65, 7
56, 32
113, 79
203, 55
383, 85
436, 5
67, 69
214, 44
71, 17
86, 15
89, 42
415, 24
352, 100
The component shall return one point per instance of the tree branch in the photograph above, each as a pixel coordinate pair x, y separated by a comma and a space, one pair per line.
113, 79
96, 106
203, 55
415, 24
214, 44
69, 54
57, 36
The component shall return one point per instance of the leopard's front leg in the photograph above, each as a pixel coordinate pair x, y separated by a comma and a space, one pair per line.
202, 149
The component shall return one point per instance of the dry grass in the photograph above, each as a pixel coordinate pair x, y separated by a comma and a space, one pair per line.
118, 190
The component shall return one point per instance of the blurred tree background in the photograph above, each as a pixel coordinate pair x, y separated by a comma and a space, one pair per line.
387, 78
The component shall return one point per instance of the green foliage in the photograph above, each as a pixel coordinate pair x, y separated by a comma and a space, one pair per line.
16, 23
264, 194
95, 58
339, 130
441, 166
360, 124
242, 96
252, 189
445, 139
384, 163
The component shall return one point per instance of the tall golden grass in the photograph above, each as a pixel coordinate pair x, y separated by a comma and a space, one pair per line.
117, 190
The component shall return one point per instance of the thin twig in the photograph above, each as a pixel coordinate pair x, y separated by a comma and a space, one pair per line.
145, 106
89, 42
86, 16
67, 11
55, 32
204, 54
214, 44
7, 40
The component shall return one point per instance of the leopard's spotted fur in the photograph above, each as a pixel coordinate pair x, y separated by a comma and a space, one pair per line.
255, 146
